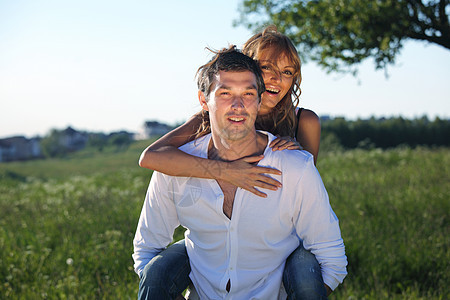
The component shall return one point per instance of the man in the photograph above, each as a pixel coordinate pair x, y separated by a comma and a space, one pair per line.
236, 242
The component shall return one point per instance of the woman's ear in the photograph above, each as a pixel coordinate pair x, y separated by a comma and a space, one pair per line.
202, 100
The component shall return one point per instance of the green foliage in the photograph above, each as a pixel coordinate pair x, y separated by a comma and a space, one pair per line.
120, 140
58, 143
66, 226
51, 144
98, 141
339, 34
386, 133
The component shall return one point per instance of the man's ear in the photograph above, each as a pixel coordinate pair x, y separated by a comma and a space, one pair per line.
202, 100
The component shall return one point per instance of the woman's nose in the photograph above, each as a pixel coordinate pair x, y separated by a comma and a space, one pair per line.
274, 75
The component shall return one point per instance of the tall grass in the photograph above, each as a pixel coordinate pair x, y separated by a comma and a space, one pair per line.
66, 226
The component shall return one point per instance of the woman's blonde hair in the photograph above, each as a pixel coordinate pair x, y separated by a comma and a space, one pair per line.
281, 120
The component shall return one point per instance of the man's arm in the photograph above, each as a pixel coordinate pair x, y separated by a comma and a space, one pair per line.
318, 226
157, 222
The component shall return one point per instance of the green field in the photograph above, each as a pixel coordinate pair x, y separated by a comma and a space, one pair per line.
66, 225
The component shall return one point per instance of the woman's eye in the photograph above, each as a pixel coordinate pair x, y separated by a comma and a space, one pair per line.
265, 67
288, 73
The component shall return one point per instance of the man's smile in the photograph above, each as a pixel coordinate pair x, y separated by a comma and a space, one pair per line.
237, 119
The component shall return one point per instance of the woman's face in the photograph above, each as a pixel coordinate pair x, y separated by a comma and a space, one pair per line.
278, 78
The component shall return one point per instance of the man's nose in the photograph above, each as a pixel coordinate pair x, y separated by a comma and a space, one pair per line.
238, 102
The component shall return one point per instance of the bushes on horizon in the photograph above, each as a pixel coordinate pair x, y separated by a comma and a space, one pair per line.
387, 133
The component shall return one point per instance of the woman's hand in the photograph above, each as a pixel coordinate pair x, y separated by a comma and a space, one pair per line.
285, 142
244, 174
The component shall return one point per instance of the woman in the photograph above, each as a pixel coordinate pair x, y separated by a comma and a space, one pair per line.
280, 64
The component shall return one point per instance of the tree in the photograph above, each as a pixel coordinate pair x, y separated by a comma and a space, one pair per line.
97, 140
52, 146
120, 139
339, 34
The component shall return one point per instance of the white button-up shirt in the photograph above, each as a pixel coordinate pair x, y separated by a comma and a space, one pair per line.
249, 249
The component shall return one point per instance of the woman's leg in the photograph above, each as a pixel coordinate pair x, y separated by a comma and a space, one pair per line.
302, 277
166, 276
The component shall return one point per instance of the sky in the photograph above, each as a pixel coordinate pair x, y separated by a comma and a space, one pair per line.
105, 66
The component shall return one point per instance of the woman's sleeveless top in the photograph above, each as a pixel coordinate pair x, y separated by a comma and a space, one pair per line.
297, 114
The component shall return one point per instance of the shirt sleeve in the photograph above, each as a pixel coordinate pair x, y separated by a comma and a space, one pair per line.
157, 222
318, 226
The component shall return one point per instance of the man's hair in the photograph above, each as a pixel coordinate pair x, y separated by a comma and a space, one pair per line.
228, 60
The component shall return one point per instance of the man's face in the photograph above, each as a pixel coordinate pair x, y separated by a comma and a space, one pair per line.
233, 104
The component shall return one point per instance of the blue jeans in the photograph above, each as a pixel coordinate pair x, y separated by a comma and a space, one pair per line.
167, 275
302, 277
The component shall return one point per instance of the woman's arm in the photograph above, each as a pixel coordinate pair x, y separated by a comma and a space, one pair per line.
308, 133
165, 157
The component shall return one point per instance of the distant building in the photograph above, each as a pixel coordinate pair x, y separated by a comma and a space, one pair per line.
19, 148
73, 140
153, 128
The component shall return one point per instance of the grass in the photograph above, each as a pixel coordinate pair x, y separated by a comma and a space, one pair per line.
85, 162
66, 226
393, 208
